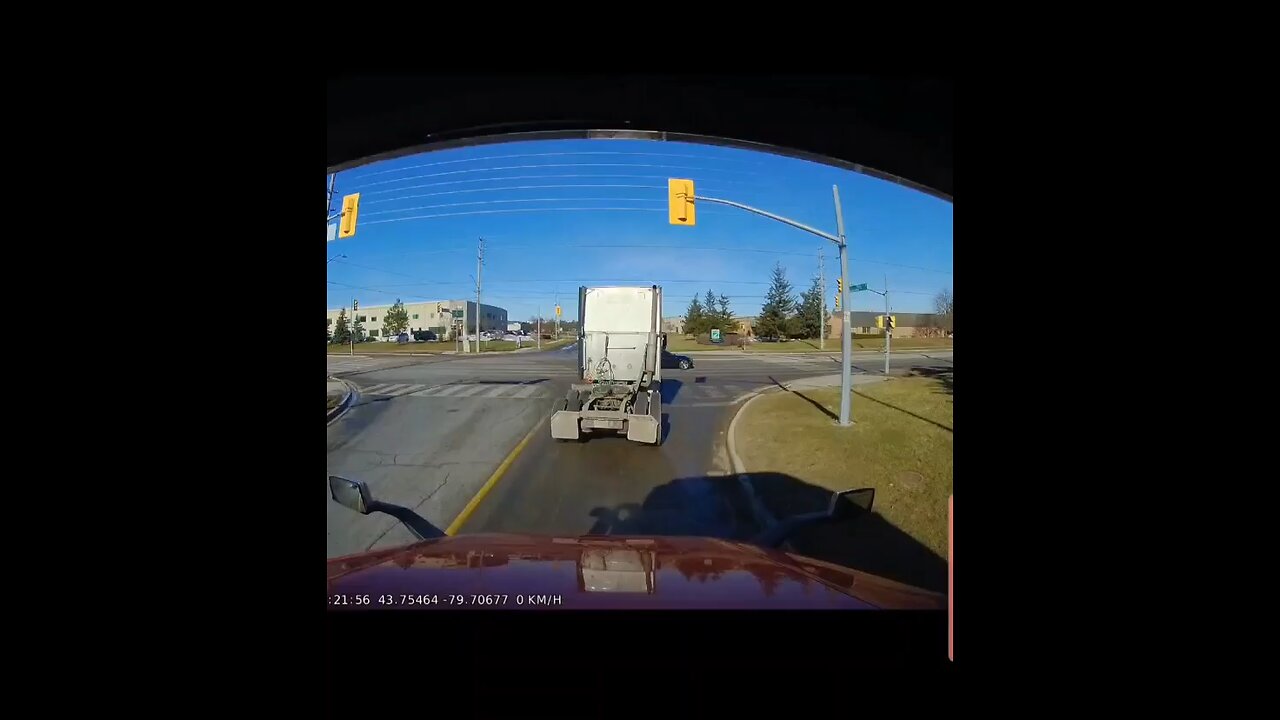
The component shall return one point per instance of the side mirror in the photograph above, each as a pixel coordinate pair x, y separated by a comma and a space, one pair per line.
848, 504
353, 494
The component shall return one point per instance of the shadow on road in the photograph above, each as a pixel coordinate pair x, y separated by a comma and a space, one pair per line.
415, 522
941, 374
868, 543
694, 506
718, 507
670, 388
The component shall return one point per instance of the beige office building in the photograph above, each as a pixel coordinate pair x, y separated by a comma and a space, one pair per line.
436, 316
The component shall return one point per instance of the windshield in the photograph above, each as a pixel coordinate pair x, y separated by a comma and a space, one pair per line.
562, 338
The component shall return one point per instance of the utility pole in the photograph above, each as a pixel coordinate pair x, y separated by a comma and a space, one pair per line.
557, 314
846, 338
355, 305
328, 203
822, 313
479, 263
539, 327
888, 333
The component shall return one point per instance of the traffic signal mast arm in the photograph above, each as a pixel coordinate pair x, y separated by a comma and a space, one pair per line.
771, 216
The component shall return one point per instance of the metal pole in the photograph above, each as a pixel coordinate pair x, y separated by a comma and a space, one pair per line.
352, 333
328, 205
539, 327
822, 312
846, 338
479, 262
888, 334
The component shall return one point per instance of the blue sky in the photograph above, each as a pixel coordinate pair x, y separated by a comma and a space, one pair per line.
564, 213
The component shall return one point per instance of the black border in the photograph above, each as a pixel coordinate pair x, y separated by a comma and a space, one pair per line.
1014, 465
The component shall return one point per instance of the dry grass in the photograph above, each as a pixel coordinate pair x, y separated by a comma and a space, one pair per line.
900, 444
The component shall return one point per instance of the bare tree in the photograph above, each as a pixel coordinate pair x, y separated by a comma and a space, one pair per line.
942, 306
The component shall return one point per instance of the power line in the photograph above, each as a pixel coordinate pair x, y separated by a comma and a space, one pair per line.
525, 200
608, 246
544, 177
553, 154
514, 187
521, 210
552, 165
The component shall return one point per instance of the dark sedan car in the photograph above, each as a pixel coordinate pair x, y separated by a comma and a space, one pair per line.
671, 360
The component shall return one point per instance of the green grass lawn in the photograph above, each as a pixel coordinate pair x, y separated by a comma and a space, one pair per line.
900, 444
682, 344
368, 348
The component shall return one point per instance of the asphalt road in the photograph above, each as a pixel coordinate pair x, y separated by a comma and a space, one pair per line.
427, 433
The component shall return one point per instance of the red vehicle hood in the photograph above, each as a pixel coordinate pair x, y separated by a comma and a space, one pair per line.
514, 571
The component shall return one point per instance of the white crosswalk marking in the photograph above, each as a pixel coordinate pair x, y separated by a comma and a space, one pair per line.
488, 390
713, 391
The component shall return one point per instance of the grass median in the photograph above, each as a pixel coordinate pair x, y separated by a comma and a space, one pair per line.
680, 344
900, 444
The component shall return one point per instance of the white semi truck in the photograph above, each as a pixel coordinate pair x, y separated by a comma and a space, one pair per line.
619, 366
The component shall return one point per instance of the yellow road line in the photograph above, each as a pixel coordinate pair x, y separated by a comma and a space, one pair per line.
493, 480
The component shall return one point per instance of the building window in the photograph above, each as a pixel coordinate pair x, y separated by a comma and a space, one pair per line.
373, 333
415, 316
373, 319
360, 318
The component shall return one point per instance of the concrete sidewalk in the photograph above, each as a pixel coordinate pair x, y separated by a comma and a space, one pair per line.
832, 380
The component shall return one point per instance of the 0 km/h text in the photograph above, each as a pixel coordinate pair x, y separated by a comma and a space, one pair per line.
448, 600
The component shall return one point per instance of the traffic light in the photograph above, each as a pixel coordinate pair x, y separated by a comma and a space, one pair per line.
350, 208
680, 209
837, 301
438, 310
355, 305
893, 321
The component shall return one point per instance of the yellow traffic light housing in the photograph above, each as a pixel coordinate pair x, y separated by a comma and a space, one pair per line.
350, 208
840, 285
837, 301
680, 209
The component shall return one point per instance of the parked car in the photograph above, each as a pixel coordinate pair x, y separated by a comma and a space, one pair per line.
671, 360
402, 338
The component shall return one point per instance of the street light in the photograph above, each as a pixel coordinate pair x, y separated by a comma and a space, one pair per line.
335, 257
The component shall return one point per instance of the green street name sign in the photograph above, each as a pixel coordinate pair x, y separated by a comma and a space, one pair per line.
856, 288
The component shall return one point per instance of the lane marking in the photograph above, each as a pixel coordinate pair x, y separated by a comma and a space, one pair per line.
496, 391
463, 516
398, 393
428, 392
469, 390
449, 390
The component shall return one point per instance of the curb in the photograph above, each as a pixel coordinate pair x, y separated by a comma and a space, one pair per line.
337, 412
762, 516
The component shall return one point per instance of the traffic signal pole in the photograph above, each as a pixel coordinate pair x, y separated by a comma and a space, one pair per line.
888, 331
822, 309
846, 337
677, 192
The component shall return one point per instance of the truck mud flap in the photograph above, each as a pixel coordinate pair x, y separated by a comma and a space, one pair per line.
564, 425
